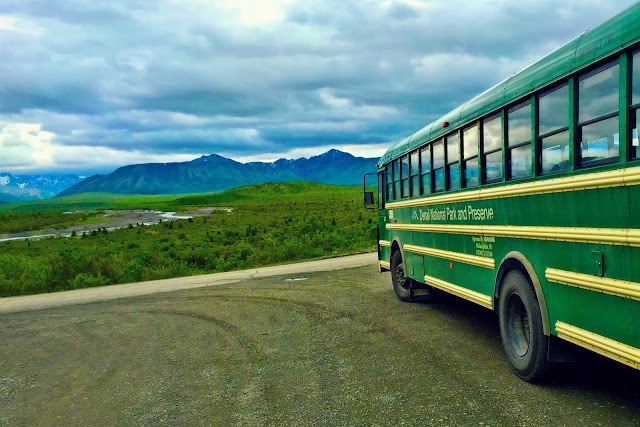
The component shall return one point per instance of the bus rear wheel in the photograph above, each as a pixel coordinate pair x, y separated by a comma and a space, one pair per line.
521, 327
401, 283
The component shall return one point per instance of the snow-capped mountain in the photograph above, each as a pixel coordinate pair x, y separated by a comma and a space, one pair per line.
31, 187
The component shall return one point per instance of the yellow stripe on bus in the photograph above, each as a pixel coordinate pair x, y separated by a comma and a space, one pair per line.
608, 179
385, 243
452, 256
386, 265
478, 298
606, 236
607, 347
616, 287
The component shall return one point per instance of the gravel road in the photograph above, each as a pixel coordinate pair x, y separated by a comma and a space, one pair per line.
284, 347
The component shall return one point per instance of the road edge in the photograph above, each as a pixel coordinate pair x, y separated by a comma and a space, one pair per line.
111, 292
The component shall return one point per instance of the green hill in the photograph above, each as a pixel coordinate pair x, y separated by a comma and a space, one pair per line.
173, 202
216, 173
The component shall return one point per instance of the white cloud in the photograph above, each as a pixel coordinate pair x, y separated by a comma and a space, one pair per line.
25, 146
256, 12
20, 26
333, 101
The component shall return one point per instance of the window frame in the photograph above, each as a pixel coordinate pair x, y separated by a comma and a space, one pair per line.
404, 182
519, 105
427, 171
412, 192
634, 109
389, 182
439, 141
484, 154
449, 163
590, 72
382, 187
465, 158
396, 180
539, 149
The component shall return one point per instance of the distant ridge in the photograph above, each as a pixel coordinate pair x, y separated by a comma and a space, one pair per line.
16, 188
216, 173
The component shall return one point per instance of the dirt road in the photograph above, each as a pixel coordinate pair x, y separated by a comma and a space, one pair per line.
318, 348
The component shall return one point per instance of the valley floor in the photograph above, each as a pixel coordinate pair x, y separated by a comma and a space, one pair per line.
112, 220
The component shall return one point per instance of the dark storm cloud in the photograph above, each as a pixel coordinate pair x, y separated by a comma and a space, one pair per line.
192, 77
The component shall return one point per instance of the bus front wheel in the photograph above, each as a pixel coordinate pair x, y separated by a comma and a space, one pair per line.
401, 283
521, 327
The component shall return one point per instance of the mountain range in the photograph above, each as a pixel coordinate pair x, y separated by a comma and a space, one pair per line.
216, 173
16, 188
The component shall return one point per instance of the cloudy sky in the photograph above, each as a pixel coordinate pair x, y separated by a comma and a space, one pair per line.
87, 86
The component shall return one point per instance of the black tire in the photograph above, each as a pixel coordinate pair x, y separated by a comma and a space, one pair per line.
402, 285
521, 327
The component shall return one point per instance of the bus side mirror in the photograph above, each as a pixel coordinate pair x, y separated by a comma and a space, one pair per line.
368, 198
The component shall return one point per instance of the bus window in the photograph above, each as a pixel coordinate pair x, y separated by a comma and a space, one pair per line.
470, 155
389, 182
555, 152
404, 168
635, 104
553, 128
380, 190
598, 99
425, 162
438, 166
519, 138
453, 161
492, 148
414, 173
396, 179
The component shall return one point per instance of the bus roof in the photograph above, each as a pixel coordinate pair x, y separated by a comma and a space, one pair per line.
613, 35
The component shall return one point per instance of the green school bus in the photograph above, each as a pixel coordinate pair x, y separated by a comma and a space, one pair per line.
526, 200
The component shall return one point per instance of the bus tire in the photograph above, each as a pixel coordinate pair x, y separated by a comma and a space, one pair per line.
401, 283
521, 327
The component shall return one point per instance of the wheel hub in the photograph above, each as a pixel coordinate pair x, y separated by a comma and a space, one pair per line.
401, 278
518, 325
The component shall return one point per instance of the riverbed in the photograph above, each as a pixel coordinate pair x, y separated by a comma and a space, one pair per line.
114, 220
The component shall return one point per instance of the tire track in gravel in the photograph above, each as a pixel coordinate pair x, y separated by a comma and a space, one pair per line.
234, 330
327, 362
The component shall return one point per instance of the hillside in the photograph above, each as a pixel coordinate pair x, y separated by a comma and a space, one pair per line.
216, 173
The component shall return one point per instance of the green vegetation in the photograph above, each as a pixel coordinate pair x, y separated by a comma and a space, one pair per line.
93, 201
269, 224
28, 221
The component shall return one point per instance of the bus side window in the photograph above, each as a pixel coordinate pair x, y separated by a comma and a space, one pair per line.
598, 98
404, 183
425, 163
438, 166
492, 148
471, 166
519, 141
389, 183
414, 173
553, 129
453, 161
396, 180
381, 189
635, 107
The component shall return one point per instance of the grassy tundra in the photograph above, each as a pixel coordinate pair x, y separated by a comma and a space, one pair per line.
269, 224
